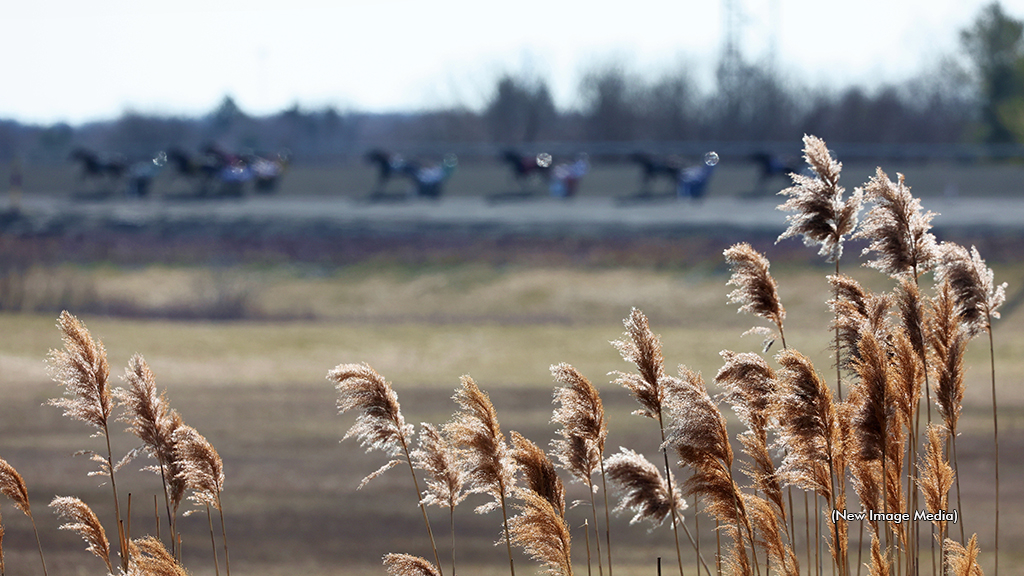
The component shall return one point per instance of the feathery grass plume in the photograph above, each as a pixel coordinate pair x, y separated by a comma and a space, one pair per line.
541, 531
13, 486
809, 431
948, 339
380, 423
821, 216
963, 561
644, 490
897, 230
539, 471
765, 520
756, 291
151, 419
973, 286
699, 436
149, 557
979, 300
879, 560
82, 368
439, 459
84, 521
854, 311
642, 348
583, 432
490, 465
203, 472
750, 388
407, 565
935, 477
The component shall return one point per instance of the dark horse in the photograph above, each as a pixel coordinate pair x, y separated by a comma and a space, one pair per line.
106, 172
524, 166
201, 170
653, 168
389, 165
772, 166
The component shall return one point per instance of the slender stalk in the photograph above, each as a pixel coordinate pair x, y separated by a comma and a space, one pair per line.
213, 541
675, 517
224, 536
38, 543
423, 508
956, 474
122, 544
156, 517
586, 532
607, 519
597, 534
504, 516
451, 514
995, 431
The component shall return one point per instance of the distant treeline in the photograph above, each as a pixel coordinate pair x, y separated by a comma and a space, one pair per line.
974, 97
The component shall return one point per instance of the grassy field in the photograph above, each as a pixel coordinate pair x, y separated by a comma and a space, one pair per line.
257, 390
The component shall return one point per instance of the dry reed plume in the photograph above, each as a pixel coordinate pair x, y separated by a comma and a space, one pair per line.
84, 521
642, 348
540, 527
82, 368
203, 472
580, 450
821, 215
538, 471
490, 464
897, 231
379, 424
756, 291
149, 557
151, 419
963, 560
979, 301
408, 565
643, 489
13, 486
439, 458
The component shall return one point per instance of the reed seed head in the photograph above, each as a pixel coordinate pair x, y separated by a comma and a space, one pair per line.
820, 214
81, 367
13, 486
408, 565
643, 489
83, 520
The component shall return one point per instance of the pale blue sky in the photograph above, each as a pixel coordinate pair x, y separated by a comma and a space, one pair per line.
67, 60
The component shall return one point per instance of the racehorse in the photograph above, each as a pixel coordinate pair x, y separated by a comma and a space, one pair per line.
106, 171
525, 167
772, 166
388, 165
653, 168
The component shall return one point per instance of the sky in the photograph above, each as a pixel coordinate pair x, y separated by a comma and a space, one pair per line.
73, 61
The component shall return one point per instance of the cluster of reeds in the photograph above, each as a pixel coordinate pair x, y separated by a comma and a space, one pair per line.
896, 354
185, 461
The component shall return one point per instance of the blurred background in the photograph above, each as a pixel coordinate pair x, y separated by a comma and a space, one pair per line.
250, 193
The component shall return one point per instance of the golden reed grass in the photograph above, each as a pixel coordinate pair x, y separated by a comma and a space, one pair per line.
798, 434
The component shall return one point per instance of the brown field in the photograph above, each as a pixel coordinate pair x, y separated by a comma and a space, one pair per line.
257, 390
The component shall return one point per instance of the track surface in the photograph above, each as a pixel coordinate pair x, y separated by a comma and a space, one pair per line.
584, 217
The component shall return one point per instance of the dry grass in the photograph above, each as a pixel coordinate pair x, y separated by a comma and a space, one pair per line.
292, 484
